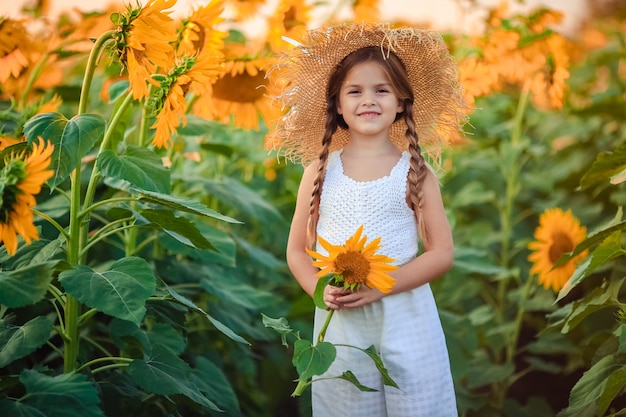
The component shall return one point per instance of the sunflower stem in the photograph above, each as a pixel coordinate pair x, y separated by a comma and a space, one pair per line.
322, 334
92, 62
302, 384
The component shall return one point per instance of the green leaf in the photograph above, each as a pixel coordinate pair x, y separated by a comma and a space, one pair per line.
318, 295
213, 383
218, 325
233, 291
164, 373
606, 166
26, 285
599, 299
280, 325
120, 292
129, 338
235, 194
593, 385
161, 334
180, 228
350, 377
182, 204
137, 165
65, 395
72, 139
312, 360
371, 352
19, 341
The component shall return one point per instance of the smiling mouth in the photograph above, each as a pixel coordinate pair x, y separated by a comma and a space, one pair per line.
369, 114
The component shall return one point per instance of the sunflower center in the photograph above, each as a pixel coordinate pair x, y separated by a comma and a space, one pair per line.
353, 266
242, 88
561, 244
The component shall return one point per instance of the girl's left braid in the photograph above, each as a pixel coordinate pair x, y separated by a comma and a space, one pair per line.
417, 171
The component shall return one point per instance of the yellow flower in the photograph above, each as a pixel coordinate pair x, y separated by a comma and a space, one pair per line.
558, 234
21, 179
241, 92
198, 34
144, 38
355, 263
245, 9
5, 142
193, 74
366, 11
15, 45
289, 19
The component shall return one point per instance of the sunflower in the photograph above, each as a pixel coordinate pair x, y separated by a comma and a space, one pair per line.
355, 263
144, 40
558, 234
193, 74
15, 45
366, 11
241, 91
245, 9
21, 179
290, 19
197, 33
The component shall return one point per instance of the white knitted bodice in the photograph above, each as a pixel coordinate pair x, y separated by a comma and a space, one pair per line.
380, 205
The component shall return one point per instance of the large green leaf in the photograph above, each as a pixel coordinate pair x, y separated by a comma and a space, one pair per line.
26, 285
165, 373
138, 165
311, 360
213, 383
180, 228
233, 291
607, 376
371, 352
19, 341
72, 139
182, 204
162, 334
120, 292
599, 299
608, 166
66, 395
235, 194
218, 325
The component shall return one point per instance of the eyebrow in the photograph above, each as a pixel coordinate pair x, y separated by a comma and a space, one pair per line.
359, 85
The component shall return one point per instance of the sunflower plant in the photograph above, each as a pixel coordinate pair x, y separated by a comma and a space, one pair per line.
349, 266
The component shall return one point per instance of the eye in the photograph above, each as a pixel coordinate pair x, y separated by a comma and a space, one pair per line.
354, 91
382, 90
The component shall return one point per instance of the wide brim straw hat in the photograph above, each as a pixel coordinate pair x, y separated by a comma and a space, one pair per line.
302, 79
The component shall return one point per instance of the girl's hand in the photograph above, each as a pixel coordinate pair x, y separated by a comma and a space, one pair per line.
363, 296
330, 296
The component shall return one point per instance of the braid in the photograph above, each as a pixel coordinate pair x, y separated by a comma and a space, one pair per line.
417, 171
331, 127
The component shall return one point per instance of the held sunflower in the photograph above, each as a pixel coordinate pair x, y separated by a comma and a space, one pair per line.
558, 234
355, 263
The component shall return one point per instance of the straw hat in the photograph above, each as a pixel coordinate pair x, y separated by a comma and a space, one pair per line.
304, 71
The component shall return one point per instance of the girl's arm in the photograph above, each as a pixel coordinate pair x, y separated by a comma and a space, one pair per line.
298, 260
435, 260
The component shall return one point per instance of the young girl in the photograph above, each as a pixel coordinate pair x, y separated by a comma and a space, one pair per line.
362, 100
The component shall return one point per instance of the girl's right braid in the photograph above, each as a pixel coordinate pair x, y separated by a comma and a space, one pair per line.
331, 127
417, 171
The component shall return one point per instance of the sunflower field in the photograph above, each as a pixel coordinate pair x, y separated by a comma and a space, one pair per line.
144, 215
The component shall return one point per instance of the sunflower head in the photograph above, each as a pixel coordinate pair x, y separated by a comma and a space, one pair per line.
558, 234
355, 263
22, 175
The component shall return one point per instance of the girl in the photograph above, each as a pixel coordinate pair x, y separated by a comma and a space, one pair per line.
362, 99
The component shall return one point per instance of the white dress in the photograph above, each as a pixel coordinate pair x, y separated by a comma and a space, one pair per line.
404, 328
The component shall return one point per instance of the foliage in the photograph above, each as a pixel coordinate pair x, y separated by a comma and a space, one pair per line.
158, 264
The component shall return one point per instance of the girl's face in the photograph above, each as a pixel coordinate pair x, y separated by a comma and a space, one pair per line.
367, 101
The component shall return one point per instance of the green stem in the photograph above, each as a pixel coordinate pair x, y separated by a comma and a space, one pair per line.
300, 388
90, 69
117, 360
31, 79
52, 222
320, 337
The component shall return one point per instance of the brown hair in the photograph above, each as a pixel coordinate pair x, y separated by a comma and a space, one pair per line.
397, 75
